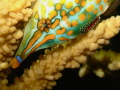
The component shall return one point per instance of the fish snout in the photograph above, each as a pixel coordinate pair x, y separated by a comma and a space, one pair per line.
16, 61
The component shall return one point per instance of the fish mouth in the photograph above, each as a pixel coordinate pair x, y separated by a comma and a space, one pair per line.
90, 25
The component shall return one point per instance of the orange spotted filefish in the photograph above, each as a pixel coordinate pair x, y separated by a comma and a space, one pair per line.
57, 21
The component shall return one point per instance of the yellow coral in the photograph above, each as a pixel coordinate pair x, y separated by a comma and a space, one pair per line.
11, 13
101, 63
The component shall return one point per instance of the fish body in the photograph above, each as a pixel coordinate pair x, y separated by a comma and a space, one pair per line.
56, 21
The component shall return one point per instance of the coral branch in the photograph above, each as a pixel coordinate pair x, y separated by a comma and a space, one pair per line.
101, 63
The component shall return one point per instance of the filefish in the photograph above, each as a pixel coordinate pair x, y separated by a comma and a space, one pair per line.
54, 22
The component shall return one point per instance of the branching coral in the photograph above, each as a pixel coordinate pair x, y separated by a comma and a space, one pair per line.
12, 12
46, 70
102, 62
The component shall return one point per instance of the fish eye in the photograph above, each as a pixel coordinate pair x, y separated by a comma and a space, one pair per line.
44, 25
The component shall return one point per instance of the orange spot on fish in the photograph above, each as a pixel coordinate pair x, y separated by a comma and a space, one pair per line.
74, 23
63, 38
60, 31
71, 12
95, 11
52, 14
82, 17
69, 5
101, 7
54, 25
97, 1
76, 9
70, 32
58, 6
63, 13
90, 8
64, 18
83, 3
